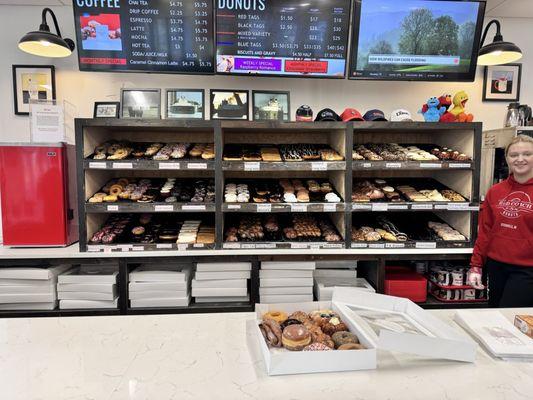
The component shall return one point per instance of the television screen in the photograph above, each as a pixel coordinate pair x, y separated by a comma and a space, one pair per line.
140, 35
282, 37
416, 39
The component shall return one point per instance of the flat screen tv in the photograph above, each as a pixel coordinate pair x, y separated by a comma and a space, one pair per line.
419, 40
298, 38
168, 36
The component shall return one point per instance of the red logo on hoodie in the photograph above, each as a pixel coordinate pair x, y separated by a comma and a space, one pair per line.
514, 204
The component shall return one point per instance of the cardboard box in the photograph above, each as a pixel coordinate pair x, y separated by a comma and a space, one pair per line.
525, 324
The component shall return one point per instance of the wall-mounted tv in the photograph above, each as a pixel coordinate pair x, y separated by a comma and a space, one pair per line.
305, 38
174, 36
426, 40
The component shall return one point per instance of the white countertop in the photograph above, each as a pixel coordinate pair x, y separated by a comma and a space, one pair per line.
210, 356
74, 252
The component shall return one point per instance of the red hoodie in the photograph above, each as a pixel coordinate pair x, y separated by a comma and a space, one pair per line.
506, 225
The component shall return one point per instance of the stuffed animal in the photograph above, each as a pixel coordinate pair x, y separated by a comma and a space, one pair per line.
445, 102
459, 102
430, 110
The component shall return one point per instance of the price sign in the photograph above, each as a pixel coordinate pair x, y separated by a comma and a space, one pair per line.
169, 165
264, 208
98, 165
252, 166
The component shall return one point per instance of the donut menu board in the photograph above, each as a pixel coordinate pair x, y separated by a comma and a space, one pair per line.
145, 35
282, 37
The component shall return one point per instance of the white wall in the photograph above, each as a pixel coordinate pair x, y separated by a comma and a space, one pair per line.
84, 88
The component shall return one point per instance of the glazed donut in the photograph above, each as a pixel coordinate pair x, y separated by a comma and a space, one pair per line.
115, 190
95, 199
288, 322
295, 337
300, 316
344, 337
273, 331
351, 346
110, 199
278, 316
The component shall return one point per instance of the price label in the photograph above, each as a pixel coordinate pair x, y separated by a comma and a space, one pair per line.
430, 165
380, 207
231, 245
457, 206
234, 206
137, 248
124, 248
252, 166
299, 245
393, 165
264, 208
169, 165
196, 165
398, 206
361, 207
163, 246
359, 245
394, 245
117, 165
459, 165
112, 208
376, 245
422, 207
426, 245
248, 246
265, 246
319, 166
441, 206
198, 245
193, 207
332, 246
367, 165
93, 247
164, 208
183, 246
98, 165
330, 207
298, 207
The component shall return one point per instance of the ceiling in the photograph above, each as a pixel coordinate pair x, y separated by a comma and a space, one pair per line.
495, 8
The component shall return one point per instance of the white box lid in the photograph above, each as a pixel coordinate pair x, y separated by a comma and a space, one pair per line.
398, 324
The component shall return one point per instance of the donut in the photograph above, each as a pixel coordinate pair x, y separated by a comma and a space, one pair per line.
123, 182
344, 337
351, 346
272, 332
288, 322
332, 325
295, 337
300, 316
278, 316
325, 340
115, 190
110, 199
316, 347
95, 199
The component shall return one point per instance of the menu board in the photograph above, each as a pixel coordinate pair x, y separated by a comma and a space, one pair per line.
145, 35
282, 37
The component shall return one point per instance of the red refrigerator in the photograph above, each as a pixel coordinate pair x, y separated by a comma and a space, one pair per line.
38, 192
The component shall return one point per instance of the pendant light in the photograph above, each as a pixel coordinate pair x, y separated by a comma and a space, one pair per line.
498, 52
45, 43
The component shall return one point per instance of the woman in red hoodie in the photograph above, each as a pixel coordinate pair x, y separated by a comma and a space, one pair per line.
505, 238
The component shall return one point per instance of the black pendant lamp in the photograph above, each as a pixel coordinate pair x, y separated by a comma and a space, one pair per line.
45, 43
498, 52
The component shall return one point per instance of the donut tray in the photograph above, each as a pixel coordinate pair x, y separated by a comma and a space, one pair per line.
150, 165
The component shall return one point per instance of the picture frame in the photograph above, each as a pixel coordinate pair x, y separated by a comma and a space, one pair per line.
229, 104
106, 109
502, 82
185, 104
140, 103
271, 105
32, 82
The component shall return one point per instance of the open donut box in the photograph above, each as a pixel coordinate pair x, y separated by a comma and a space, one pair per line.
379, 321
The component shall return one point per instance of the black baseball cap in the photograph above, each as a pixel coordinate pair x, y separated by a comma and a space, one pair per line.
304, 113
374, 115
327, 114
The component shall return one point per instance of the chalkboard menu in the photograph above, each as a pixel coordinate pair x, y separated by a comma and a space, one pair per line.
145, 35
282, 37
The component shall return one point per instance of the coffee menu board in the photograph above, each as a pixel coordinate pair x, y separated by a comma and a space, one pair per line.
282, 37
145, 35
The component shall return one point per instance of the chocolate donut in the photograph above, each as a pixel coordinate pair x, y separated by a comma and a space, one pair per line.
344, 337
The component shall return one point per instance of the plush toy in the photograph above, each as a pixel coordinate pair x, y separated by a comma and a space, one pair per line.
431, 111
445, 101
459, 101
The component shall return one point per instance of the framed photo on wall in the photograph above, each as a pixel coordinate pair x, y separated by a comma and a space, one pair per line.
32, 82
502, 82
229, 104
106, 109
141, 103
271, 105
185, 104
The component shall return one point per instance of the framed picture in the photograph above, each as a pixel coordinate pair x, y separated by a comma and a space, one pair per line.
502, 82
229, 104
185, 104
106, 109
271, 106
141, 103
32, 82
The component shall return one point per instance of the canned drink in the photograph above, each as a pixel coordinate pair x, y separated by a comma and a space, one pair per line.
457, 277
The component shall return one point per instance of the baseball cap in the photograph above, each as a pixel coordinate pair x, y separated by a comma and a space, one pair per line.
327, 114
400, 115
374, 115
304, 113
351, 114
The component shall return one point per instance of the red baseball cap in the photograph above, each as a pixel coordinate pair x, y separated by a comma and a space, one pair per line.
351, 114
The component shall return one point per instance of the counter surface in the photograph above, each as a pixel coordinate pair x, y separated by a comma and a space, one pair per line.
73, 252
210, 356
